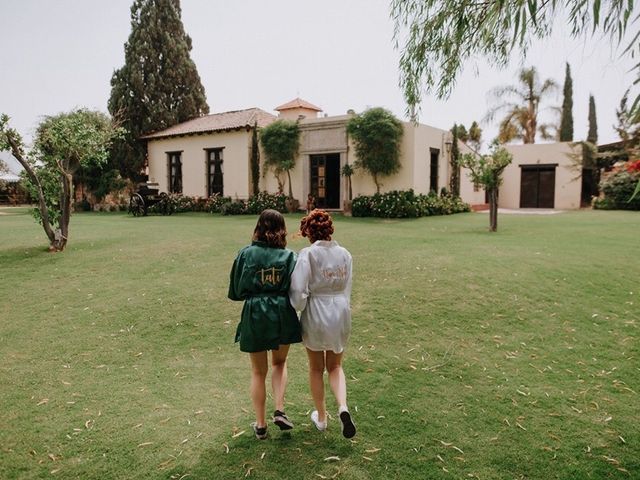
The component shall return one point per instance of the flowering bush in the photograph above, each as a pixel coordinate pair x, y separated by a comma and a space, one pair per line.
264, 200
406, 204
618, 188
633, 167
215, 203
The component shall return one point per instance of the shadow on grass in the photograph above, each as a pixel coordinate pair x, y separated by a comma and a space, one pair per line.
298, 454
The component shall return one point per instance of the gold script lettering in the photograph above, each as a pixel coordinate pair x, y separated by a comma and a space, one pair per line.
270, 276
339, 273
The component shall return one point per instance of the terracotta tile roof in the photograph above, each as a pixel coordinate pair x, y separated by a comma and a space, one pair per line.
298, 103
216, 122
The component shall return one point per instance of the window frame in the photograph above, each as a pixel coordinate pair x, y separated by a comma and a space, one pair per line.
171, 175
211, 175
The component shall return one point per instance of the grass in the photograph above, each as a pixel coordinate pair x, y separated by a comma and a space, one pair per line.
473, 355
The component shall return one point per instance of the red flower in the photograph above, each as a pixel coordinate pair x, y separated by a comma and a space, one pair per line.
633, 167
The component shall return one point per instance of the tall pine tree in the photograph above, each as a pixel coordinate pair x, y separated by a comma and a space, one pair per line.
159, 85
566, 119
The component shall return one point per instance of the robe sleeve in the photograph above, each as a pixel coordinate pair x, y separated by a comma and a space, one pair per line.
299, 289
347, 289
235, 277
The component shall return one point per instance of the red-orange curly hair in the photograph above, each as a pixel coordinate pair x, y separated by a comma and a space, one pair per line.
318, 225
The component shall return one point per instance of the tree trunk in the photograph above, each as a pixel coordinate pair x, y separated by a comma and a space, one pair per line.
289, 178
375, 180
42, 206
65, 214
493, 209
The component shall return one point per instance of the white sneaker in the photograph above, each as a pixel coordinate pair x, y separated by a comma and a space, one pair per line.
322, 426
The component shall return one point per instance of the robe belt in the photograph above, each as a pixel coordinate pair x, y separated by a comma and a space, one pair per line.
268, 294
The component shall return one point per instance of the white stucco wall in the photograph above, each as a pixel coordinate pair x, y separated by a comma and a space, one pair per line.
235, 167
568, 177
328, 135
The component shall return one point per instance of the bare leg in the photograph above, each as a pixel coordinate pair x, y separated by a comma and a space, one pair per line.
259, 368
316, 382
336, 378
279, 375
339, 388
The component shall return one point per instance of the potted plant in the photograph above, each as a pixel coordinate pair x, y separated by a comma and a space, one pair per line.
347, 171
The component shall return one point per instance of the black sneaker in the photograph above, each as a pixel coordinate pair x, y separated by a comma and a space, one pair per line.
282, 421
261, 432
348, 427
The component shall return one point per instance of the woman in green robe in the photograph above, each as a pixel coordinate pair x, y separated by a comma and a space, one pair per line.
261, 275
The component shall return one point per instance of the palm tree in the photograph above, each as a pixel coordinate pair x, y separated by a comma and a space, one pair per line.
521, 103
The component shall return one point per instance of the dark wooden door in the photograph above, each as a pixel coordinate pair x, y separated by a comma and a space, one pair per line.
325, 180
537, 187
546, 187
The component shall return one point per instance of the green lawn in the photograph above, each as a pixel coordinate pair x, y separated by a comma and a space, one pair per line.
512, 355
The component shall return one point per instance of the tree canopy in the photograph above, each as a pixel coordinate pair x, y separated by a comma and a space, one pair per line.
486, 170
437, 38
280, 142
521, 106
158, 86
63, 144
377, 136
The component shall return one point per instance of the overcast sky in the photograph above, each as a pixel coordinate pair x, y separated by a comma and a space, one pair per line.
337, 54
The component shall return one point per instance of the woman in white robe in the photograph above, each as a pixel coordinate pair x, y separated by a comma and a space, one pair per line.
321, 290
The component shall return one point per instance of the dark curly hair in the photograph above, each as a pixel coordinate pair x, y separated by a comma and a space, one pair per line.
318, 225
271, 229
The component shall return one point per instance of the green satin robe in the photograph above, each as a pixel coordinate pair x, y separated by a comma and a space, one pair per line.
261, 276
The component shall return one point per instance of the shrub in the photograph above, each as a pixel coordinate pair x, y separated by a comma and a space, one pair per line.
82, 206
406, 204
238, 207
215, 203
618, 189
264, 200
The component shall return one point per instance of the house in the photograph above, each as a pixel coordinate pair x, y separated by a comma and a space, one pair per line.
211, 155
544, 175
206, 155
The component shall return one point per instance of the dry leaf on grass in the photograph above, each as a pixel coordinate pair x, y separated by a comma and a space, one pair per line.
144, 444
226, 448
44, 401
235, 435
332, 459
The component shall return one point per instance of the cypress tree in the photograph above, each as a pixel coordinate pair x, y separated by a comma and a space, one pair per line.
566, 119
454, 184
158, 86
590, 148
255, 161
592, 136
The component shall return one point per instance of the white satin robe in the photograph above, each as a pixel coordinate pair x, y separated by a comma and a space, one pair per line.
321, 289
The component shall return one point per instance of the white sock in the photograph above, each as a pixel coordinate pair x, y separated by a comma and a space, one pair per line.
343, 408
